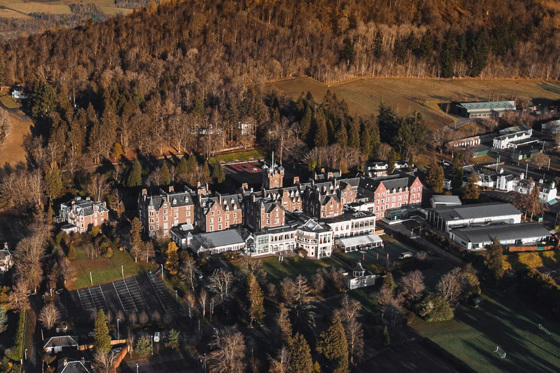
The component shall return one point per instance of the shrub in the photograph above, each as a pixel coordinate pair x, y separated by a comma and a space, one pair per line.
143, 347
108, 253
71, 252
16, 352
434, 308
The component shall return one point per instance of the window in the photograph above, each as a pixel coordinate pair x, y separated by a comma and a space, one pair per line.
211, 220
219, 227
220, 219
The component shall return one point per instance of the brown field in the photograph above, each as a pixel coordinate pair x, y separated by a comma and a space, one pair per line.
19, 8
12, 151
406, 95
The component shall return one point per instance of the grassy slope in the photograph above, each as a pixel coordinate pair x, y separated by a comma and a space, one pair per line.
503, 320
407, 95
19, 8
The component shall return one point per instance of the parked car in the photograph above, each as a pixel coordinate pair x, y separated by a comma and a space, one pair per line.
406, 255
156, 337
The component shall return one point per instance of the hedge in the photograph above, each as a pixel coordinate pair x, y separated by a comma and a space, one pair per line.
16, 352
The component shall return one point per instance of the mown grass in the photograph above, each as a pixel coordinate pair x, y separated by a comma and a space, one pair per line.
238, 156
9, 102
503, 320
104, 269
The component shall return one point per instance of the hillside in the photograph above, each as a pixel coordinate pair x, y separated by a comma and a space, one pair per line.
364, 96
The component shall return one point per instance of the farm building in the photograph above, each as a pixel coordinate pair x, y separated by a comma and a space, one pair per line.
489, 109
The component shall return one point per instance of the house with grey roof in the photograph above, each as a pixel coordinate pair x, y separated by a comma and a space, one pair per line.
454, 217
68, 365
445, 201
84, 213
358, 278
524, 234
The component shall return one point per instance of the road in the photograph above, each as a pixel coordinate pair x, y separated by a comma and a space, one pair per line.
423, 243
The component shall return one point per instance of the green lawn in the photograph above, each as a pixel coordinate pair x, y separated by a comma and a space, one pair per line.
504, 320
238, 156
104, 270
294, 266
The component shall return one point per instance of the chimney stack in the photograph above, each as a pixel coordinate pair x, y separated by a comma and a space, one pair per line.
171, 189
296, 180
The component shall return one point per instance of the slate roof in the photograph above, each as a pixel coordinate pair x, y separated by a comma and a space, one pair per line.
62, 341
217, 239
75, 366
486, 106
503, 232
446, 199
391, 182
349, 216
477, 211
230, 200
83, 207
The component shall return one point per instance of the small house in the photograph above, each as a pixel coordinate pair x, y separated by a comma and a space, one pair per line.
359, 278
57, 343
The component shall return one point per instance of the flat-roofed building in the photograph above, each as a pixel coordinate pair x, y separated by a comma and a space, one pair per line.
445, 201
524, 234
487, 109
448, 218
352, 224
218, 242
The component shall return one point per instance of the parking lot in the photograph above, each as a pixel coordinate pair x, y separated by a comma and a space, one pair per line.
145, 292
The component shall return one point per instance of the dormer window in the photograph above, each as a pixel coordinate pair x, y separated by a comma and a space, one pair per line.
186, 199
174, 201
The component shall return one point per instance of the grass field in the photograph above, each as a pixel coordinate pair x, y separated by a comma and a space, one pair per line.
104, 270
294, 266
503, 320
12, 151
406, 95
9, 102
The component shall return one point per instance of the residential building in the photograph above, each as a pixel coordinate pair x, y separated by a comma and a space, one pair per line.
352, 224
261, 212
382, 168
84, 213
159, 213
327, 199
315, 238
493, 109
218, 242
68, 365
445, 201
524, 234
6, 259
547, 191
218, 213
391, 192
57, 343
454, 217
359, 278
273, 176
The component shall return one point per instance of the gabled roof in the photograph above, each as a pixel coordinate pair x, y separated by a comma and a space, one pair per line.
217, 239
477, 211
73, 366
62, 341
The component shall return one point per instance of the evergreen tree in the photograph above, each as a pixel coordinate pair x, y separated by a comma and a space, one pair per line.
135, 175
53, 179
300, 355
457, 180
411, 163
173, 340
305, 124
321, 133
435, 179
205, 173
50, 214
44, 99
446, 56
136, 238
181, 171
354, 135
347, 53
366, 148
333, 345
495, 260
427, 45
101, 334
218, 172
389, 281
341, 136
284, 325
3, 320
164, 175
256, 299
143, 347
392, 161
192, 163
117, 151
378, 44
471, 191
172, 261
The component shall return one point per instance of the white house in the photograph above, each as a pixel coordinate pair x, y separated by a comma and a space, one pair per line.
509, 136
57, 343
315, 238
359, 278
275, 240
352, 224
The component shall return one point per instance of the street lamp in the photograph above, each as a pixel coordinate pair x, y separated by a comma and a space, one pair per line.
122, 271
152, 339
136, 367
26, 354
176, 296
118, 331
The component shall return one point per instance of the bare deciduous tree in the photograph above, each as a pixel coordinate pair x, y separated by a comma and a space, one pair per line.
220, 283
412, 286
450, 286
228, 353
49, 315
203, 299
98, 187
17, 298
103, 362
